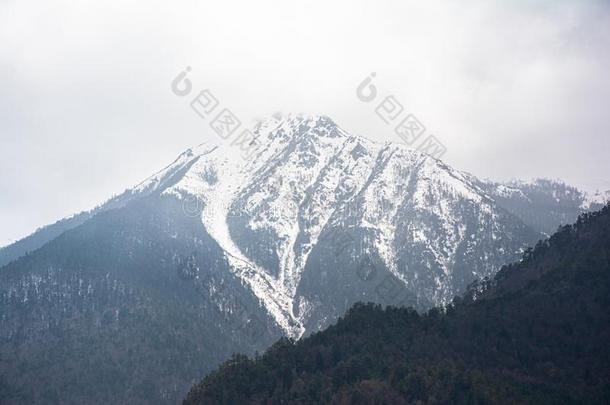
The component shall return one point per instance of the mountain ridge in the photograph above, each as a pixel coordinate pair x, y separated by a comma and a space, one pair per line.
494, 189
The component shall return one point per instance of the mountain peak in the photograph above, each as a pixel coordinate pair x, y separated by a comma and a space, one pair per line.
293, 125
300, 118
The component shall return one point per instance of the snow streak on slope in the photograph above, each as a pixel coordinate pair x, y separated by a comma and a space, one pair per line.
216, 181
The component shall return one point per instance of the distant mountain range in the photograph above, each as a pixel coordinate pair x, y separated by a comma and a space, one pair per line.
543, 204
212, 255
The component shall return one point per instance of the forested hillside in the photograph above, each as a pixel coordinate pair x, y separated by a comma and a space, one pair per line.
129, 308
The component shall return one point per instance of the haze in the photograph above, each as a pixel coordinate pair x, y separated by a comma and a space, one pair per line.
513, 89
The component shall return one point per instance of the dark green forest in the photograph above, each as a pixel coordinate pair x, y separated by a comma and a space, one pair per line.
538, 332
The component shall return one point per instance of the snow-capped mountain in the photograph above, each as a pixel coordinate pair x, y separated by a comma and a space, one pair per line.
220, 253
309, 188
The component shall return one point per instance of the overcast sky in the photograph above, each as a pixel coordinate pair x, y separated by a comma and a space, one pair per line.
514, 89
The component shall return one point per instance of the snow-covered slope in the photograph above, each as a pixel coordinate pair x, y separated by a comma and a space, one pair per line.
308, 178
